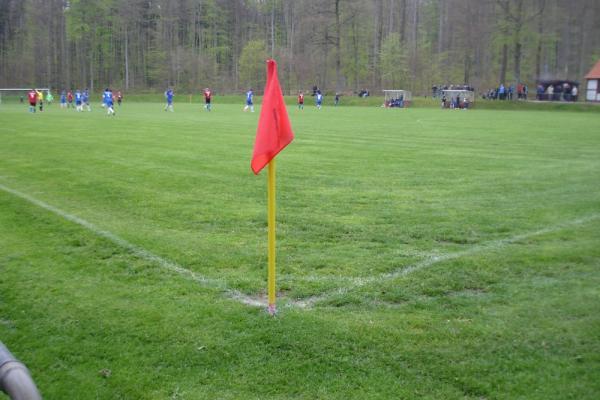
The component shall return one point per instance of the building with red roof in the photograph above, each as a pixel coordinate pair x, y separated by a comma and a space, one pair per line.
593, 83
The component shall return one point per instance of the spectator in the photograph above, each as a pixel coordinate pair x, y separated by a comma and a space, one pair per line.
566, 91
558, 91
540, 92
502, 92
550, 92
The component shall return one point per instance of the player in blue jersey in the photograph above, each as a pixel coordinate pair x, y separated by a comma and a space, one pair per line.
107, 97
85, 97
169, 97
78, 101
63, 99
319, 99
249, 103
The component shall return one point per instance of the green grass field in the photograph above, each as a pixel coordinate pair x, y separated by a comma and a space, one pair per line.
422, 254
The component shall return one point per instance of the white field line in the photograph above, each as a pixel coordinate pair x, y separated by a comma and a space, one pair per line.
354, 283
139, 251
353, 279
485, 247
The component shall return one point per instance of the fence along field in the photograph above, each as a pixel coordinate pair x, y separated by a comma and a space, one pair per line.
499, 207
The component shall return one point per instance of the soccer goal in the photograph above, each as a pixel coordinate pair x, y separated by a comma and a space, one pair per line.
16, 95
397, 98
455, 98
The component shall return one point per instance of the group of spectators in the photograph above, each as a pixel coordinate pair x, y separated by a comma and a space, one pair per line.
557, 91
546, 90
512, 92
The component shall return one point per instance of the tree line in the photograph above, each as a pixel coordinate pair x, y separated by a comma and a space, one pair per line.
337, 45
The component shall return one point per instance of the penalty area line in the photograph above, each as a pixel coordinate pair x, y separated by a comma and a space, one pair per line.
139, 251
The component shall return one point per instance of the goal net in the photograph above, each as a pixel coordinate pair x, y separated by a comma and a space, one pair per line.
18, 95
458, 97
397, 98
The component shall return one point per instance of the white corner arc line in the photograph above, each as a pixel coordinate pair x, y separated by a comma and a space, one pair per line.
139, 251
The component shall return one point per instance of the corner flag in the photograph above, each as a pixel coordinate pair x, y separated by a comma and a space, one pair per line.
273, 134
274, 131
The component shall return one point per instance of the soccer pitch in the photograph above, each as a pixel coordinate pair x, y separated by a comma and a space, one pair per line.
422, 253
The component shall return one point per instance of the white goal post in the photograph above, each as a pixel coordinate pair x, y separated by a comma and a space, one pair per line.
452, 93
24, 91
458, 98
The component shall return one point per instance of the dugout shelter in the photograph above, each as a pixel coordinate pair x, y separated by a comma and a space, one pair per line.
397, 98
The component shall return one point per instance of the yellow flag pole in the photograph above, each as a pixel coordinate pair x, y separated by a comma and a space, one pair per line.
271, 237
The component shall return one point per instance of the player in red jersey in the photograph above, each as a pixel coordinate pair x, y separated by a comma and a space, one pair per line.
32, 96
70, 99
301, 101
207, 98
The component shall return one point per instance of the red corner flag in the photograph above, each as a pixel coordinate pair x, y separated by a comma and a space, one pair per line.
274, 131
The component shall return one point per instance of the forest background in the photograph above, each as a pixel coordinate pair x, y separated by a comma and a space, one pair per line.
338, 45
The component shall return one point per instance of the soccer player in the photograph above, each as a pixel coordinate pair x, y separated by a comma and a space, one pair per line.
249, 104
40, 97
63, 99
69, 99
119, 98
301, 101
337, 99
49, 97
108, 101
207, 97
85, 97
169, 96
319, 99
78, 101
32, 97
